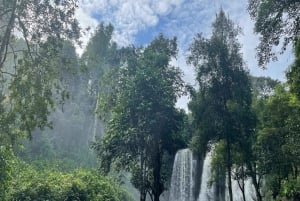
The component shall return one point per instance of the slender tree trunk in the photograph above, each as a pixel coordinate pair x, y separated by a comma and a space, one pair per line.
6, 37
241, 183
258, 194
242, 187
156, 176
143, 192
229, 166
244, 196
255, 182
295, 168
143, 196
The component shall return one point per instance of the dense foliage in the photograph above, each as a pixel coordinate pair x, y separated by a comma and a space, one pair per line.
277, 143
55, 104
293, 73
222, 106
143, 128
30, 68
276, 146
30, 183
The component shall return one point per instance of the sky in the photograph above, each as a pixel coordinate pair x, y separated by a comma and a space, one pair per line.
138, 22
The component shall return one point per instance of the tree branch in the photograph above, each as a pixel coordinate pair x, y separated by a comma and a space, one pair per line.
5, 41
7, 73
5, 12
25, 37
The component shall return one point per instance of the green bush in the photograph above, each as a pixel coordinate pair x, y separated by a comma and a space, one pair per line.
291, 188
79, 185
6, 168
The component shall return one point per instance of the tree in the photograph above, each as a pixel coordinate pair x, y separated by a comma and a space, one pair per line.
276, 22
144, 123
221, 107
36, 22
100, 58
32, 73
47, 183
72, 121
239, 172
293, 73
277, 142
31, 34
263, 87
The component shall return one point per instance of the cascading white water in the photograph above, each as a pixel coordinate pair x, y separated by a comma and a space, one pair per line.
95, 125
183, 177
98, 127
207, 192
237, 193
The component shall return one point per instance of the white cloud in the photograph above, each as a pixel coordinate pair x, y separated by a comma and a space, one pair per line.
129, 16
86, 21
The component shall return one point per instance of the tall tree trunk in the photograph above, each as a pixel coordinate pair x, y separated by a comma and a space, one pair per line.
295, 168
258, 194
143, 191
244, 196
255, 181
229, 166
241, 182
242, 187
143, 196
156, 175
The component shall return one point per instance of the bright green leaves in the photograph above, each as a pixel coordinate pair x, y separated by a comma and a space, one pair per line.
30, 183
6, 168
277, 141
143, 117
30, 74
221, 108
224, 89
30, 97
293, 74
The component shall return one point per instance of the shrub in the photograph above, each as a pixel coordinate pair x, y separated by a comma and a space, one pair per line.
48, 184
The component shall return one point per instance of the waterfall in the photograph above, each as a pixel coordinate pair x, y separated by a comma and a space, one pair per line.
95, 124
98, 127
207, 192
183, 177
